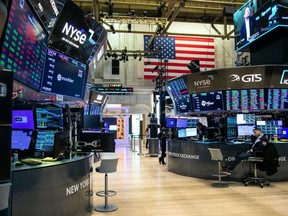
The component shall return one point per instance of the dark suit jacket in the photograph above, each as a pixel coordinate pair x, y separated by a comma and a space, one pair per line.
270, 163
260, 145
243, 32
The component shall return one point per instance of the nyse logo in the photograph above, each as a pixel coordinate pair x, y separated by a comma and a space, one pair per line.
76, 34
206, 103
204, 82
284, 78
246, 78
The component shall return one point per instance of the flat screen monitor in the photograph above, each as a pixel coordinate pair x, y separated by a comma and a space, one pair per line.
245, 99
63, 75
192, 123
171, 122
282, 133
21, 139
61, 144
245, 130
277, 99
97, 98
182, 133
91, 122
105, 141
24, 45
191, 132
245, 119
182, 123
49, 118
23, 119
45, 141
178, 91
208, 101
269, 127
76, 33
48, 11
112, 127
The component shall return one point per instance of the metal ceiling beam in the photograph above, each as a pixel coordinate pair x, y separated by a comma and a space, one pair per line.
170, 33
96, 10
169, 9
181, 5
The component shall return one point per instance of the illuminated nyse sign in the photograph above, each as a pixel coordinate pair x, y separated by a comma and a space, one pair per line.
114, 90
76, 34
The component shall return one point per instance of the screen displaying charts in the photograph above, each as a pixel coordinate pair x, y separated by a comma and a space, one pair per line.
245, 119
24, 45
179, 93
245, 99
63, 75
208, 101
269, 126
277, 99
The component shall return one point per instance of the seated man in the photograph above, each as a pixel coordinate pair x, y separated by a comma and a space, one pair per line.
259, 145
200, 131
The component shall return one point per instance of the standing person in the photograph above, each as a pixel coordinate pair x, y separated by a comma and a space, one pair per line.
147, 136
162, 139
259, 145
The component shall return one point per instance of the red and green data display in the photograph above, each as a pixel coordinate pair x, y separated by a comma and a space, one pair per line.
24, 45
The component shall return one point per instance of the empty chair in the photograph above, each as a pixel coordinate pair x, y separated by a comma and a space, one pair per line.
216, 155
108, 164
255, 178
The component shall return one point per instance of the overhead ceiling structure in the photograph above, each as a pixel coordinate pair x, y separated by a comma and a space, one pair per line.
163, 12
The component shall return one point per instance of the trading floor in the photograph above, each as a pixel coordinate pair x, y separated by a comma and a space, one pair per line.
145, 188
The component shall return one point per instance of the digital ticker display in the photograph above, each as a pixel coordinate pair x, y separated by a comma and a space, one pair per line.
277, 99
208, 101
245, 99
24, 45
179, 93
63, 75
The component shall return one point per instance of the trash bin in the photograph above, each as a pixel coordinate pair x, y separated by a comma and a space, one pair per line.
153, 146
4, 196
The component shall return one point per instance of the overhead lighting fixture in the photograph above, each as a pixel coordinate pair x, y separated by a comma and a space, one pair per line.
108, 54
114, 55
159, 11
110, 8
135, 56
194, 66
112, 29
140, 57
155, 68
144, 14
126, 57
129, 27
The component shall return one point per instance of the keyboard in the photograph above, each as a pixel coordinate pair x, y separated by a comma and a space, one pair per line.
49, 159
31, 161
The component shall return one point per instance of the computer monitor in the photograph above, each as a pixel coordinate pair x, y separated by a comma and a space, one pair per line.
245, 119
245, 130
61, 145
191, 132
282, 133
21, 139
45, 141
112, 127
105, 141
23, 119
269, 127
49, 117
182, 123
170, 122
91, 122
182, 133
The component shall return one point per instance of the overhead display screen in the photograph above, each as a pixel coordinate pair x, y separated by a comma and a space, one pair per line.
76, 33
277, 99
24, 45
251, 22
114, 90
179, 93
63, 75
48, 11
208, 101
245, 99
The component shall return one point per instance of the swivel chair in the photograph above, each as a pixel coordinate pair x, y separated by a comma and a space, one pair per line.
108, 164
216, 155
255, 178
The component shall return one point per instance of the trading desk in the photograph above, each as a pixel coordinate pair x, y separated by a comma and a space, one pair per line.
52, 188
192, 158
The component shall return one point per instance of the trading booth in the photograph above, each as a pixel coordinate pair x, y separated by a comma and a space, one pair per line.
230, 103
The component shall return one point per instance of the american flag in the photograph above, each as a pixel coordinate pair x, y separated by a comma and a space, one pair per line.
179, 51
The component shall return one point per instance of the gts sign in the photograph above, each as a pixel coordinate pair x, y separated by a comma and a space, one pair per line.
246, 78
75, 34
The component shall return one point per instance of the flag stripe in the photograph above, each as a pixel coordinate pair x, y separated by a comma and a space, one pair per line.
179, 51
